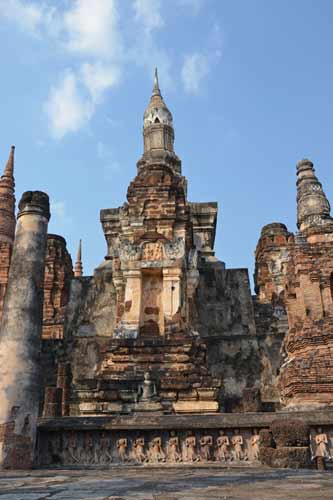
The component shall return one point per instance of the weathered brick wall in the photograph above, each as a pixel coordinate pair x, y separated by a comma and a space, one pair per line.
243, 338
271, 261
58, 274
307, 376
5, 257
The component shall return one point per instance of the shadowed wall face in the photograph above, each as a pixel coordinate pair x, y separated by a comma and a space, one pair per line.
20, 334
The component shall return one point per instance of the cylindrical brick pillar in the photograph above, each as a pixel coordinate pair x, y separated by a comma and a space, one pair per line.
20, 334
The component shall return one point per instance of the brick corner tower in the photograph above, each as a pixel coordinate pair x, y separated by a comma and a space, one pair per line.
306, 376
7, 222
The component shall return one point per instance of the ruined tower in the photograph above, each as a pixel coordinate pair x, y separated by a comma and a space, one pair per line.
306, 377
140, 296
7, 222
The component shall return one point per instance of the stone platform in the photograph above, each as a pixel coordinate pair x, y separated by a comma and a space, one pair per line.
193, 483
145, 438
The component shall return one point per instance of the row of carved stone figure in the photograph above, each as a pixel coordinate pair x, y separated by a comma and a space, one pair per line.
175, 449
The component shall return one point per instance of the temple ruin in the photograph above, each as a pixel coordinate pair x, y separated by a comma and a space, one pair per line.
163, 355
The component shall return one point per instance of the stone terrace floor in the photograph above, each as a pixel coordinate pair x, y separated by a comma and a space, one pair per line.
167, 483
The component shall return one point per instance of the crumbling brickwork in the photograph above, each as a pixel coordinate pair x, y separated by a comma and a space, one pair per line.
7, 223
306, 375
57, 278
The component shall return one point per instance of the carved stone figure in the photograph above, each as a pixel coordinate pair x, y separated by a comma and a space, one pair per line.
321, 443
89, 454
122, 447
155, 452
173, 453
222, 451
237, 442
148, 389
254, 442
72, 448
105, 456
206, 442
190, 448
139, 450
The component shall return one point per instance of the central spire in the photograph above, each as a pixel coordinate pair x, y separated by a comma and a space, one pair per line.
158, 133
157, 111
156, 89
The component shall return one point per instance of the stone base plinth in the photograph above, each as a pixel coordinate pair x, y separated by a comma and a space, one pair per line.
151, 438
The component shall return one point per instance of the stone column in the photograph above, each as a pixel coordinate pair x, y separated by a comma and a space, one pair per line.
20, 334
130, 325
171, 291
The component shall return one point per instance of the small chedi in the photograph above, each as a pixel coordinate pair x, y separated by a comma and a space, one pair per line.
163, 355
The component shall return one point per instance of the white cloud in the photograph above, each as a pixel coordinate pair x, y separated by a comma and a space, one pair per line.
66, 108
32, 18
25, 15
194, 70
72, 103
99, 77
97, 47
93, 36
92, 28
148, 12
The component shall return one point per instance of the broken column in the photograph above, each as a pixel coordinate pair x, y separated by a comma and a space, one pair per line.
20, 334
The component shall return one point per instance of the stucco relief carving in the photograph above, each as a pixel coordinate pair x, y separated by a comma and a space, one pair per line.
206, 443
173, 453
238, 443
254, 442
121, 448
190, 454
152, 251
139, 450
129, 252
222, 447
105, 448
321, 445
175, 249
155, 451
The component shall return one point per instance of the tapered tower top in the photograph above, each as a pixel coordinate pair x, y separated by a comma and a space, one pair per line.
157, 111
7, 200
9, 168
313, 207
78, 268
158, 132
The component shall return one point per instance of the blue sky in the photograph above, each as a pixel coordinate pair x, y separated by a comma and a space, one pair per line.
249, 83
